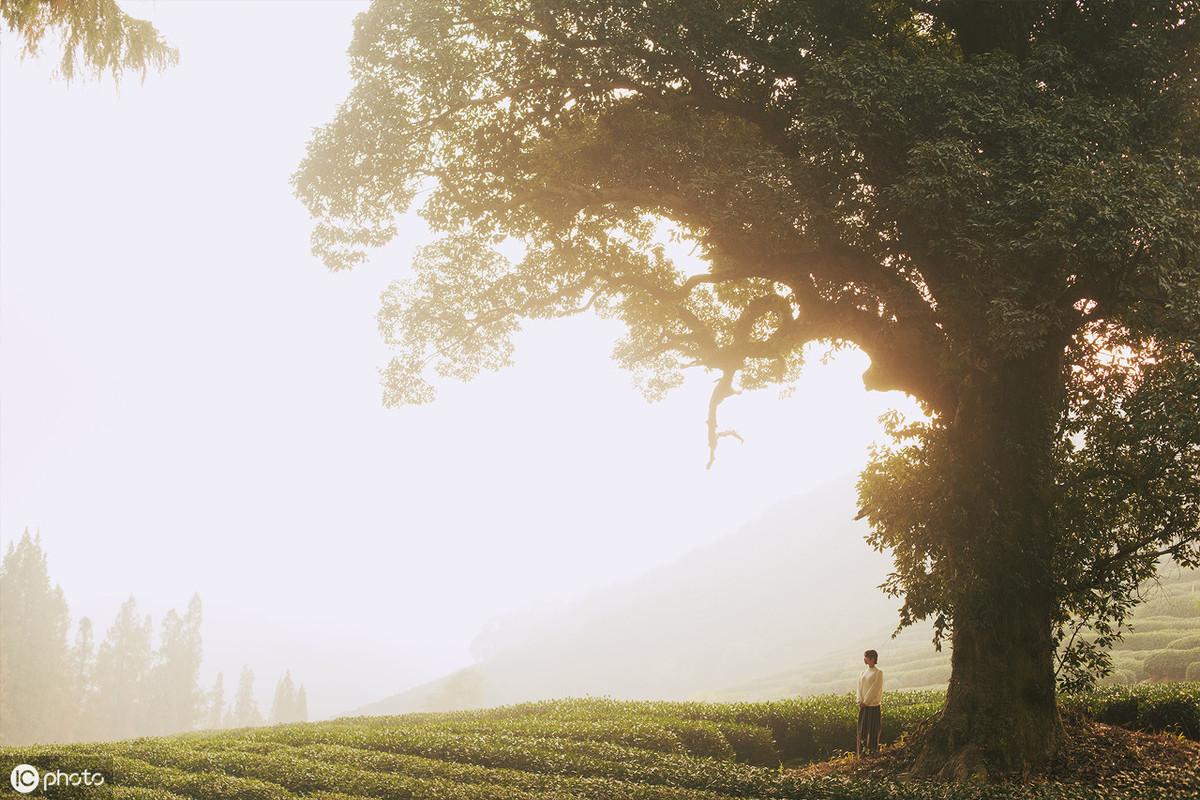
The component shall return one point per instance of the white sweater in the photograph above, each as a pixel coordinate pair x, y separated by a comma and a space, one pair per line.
870, 686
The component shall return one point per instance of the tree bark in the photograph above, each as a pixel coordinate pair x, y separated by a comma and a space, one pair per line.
1000, 717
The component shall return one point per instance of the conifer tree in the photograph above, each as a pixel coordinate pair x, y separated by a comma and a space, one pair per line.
175, 681
120, 704
216, 704
82, 666
283, 707
245, 710
301, 705
35, 680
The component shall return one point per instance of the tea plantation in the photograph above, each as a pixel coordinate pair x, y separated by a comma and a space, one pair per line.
592, 749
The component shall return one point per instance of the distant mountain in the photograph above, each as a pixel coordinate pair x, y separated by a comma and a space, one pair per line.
793, 585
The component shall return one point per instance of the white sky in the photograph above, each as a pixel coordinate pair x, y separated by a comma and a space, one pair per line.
190, 401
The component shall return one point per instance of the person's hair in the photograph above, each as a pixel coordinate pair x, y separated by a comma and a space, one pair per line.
871, 654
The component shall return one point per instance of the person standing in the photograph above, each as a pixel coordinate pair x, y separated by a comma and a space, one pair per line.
870, 694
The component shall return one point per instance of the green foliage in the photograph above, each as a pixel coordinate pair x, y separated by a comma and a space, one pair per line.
753, 744
1145, 707
143, 793
1122, 677
847, 159
587, 749
1126, 500
1170, 665
1176, 607
1127, 484
1150, 640
703, 738
96, 36
1185, 642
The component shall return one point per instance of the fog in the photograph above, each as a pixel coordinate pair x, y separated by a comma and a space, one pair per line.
190, 403
749, 606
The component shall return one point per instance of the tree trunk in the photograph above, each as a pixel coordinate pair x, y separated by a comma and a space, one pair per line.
1000, 717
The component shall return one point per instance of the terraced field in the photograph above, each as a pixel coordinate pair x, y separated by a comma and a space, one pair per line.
590, 749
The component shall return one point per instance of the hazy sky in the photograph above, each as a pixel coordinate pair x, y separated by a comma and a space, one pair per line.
190, 400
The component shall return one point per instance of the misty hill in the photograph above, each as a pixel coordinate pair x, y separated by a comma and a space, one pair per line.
793, 585
1162, 644
783, 607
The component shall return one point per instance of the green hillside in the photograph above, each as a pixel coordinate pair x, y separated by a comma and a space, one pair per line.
1163, 642
592, 749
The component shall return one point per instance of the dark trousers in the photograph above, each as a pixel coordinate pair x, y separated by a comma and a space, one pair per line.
869, 722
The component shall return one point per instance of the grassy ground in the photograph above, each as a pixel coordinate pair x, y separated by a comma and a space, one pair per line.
606, 750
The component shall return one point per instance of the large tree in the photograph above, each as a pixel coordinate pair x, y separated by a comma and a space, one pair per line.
995, 199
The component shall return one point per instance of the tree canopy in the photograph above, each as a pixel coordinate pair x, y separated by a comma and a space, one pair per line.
996, 200
96, 36
848, 173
